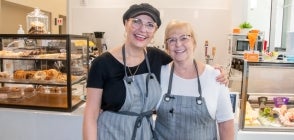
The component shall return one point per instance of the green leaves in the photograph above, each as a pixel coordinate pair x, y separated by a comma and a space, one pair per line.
245, 25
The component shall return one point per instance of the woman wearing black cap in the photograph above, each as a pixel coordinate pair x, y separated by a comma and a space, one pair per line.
124, 82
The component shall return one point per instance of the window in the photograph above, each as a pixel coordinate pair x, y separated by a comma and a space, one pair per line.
273, 17
288, 21
281, 22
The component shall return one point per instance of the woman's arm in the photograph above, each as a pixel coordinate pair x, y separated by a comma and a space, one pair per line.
225, 115
226, 130
91, 113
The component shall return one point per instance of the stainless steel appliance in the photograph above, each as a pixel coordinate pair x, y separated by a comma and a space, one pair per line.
240, 43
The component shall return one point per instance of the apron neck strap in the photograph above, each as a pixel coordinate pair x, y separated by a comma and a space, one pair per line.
171, 79
198, 79
128, 80
147, 62
125, 67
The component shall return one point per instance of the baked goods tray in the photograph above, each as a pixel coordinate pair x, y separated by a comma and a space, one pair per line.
42, 57
77, 79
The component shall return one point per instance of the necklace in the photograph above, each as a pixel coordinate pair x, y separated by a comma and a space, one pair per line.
133, 74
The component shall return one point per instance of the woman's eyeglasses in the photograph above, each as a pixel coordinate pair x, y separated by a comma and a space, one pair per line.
138, 23
173, 40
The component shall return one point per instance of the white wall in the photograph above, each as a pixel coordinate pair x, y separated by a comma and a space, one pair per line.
262, 12
54, 7
212, 20
238, 12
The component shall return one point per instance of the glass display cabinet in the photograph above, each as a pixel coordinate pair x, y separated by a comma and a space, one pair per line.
44, 71
267, 97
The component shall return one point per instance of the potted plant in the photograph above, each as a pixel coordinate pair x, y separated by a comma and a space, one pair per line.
245, 27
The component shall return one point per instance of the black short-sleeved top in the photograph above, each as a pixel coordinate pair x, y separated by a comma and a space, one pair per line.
107, 73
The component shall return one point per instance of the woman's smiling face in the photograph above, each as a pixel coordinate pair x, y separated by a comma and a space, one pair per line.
180, 44
140, 30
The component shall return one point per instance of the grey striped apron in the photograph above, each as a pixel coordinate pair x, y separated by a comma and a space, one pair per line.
184, 117
133, 121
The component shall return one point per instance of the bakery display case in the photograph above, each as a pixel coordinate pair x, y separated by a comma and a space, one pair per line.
47, 72
267, 97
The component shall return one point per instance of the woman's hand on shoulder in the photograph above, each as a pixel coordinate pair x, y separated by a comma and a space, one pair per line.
223, 77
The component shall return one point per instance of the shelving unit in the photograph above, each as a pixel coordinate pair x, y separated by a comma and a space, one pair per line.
36, 76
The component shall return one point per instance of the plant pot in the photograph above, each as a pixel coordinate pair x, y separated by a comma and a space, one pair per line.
245, 31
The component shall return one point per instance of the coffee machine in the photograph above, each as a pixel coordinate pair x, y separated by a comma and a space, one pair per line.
100, 42
98, 39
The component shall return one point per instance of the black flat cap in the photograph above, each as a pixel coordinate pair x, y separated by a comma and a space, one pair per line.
142, 9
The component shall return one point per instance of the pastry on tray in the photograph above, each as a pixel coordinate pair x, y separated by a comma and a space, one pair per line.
4, 75
15, 93
29, 92
4, 89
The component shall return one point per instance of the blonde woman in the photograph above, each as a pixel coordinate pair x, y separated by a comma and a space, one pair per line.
193, 103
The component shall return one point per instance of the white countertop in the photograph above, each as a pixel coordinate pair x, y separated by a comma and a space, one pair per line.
26, 124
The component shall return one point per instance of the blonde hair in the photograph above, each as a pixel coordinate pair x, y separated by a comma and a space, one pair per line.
177, 25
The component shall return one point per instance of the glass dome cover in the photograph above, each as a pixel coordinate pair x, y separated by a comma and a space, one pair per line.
37, 22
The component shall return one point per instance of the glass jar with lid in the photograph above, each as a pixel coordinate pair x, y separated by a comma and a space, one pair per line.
37, 22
